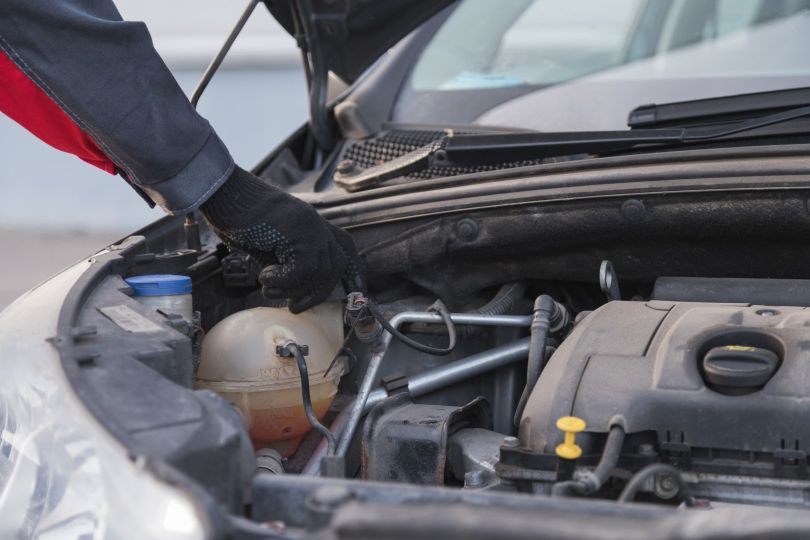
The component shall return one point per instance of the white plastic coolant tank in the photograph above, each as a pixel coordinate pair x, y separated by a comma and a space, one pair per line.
240, 363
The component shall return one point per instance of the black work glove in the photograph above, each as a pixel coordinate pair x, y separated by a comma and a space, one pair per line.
305, 256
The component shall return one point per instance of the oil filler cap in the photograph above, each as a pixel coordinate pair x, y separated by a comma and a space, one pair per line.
739, 369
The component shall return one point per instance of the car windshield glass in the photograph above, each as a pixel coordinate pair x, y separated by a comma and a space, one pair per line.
570, 65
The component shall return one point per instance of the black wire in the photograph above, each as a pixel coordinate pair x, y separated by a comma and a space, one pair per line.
313, 420
439, 308
634, 485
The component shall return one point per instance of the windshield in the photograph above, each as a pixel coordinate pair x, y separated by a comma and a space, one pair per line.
572, 65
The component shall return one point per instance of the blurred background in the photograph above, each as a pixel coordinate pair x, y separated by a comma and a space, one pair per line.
55, 209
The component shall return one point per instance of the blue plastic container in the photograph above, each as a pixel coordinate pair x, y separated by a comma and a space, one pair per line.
165, 292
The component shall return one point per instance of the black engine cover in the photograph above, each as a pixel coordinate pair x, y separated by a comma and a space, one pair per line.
641, 364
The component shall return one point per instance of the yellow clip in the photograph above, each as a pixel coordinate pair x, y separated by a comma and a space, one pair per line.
571, 425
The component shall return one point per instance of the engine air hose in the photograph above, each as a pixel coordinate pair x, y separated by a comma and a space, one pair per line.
590, 482
549, 316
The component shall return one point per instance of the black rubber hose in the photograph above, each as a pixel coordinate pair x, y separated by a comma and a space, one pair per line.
544, 305
634, 485
439, 308
504, 300
590, 482
508, 297
609, 460
313, 420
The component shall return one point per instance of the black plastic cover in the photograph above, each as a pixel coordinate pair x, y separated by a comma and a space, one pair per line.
134, 373
769, 292
640, 364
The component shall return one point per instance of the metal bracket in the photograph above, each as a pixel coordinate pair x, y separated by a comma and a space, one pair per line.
609, 281
355, 178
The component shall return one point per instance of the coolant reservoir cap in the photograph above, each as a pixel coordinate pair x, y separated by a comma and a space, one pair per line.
738, 368
159, 285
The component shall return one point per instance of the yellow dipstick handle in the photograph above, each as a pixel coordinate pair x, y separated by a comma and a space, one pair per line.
570, 425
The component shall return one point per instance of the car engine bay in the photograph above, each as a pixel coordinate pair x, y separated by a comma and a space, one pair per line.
488, 364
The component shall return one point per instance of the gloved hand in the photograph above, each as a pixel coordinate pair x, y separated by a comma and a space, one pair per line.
305, 256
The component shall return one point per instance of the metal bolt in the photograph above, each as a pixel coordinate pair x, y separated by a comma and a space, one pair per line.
665, 486
511, 442
667, 483
345, 166
474, 479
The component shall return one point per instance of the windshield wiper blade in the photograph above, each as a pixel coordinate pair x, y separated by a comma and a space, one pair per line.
723, 109
499, 148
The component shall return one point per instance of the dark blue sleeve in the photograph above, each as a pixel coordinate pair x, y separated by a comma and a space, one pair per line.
104, 73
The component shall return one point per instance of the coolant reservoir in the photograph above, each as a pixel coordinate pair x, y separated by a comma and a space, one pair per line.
239, 362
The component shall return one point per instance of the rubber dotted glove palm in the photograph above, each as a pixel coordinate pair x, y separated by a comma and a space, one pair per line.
305, 256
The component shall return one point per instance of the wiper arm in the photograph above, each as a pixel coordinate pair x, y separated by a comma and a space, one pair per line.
489, 149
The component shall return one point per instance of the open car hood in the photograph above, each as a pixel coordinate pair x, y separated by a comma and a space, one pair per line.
351, 34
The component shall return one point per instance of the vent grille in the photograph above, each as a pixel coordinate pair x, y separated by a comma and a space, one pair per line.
393, 144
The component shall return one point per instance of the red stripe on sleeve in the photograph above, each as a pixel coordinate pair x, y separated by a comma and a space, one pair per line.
25, 103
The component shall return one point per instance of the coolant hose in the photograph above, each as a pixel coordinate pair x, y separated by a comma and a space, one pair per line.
307, 399
545, 309
590, 482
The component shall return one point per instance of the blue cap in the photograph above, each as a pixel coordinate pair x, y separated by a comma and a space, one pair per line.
160, 285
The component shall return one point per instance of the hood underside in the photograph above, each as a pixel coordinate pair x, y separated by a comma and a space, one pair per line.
352, 34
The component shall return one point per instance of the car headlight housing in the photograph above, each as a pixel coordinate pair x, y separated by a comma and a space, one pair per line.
62, 474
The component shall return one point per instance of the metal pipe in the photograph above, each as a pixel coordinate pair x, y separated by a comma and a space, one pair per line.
429, 381
472, 366
358, 406
473, 319
215, 63
370, 377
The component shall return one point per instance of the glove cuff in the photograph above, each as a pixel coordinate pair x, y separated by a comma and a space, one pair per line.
234, 205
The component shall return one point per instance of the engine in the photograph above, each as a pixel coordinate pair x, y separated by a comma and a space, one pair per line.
718, 391
663, 399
